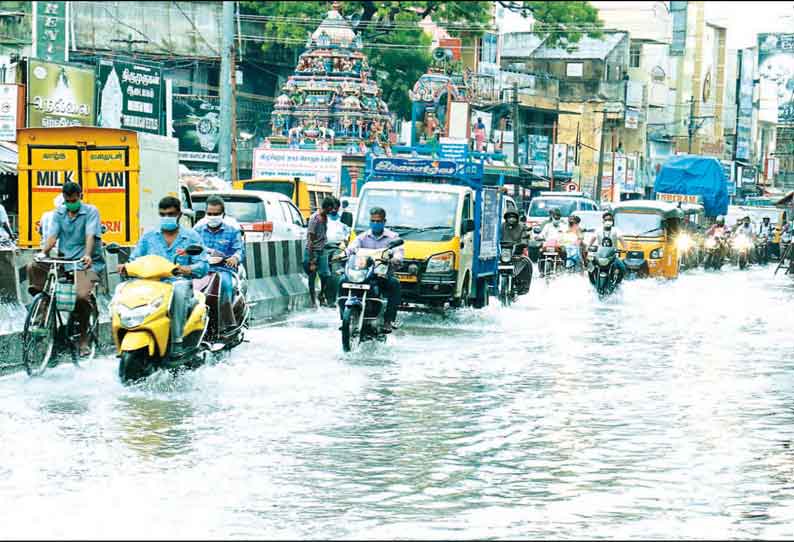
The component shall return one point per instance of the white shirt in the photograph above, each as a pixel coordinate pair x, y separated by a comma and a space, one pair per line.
337, 231
551, 232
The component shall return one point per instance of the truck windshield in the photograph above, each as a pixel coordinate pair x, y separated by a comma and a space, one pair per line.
287, 188
413, 214
639, 224
540, 207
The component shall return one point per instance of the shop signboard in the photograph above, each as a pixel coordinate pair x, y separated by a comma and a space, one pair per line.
9, 112
196, 124
59, 95
130, 95
775, 58
309, 165
51, 31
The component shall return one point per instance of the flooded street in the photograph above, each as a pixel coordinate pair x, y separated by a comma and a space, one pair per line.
664, 412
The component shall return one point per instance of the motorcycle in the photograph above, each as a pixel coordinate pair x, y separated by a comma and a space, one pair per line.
601, 269
210, 286
512, 258
551, 259
534, 244
573, 254
360, 302
741, 246
141, 318
762, 249
714, 251
337, 270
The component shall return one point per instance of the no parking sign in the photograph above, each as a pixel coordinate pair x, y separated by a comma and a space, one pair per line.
571, 187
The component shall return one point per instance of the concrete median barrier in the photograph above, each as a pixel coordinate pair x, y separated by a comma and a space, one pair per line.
276, 286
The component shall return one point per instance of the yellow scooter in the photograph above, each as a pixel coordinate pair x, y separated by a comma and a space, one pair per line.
141, 318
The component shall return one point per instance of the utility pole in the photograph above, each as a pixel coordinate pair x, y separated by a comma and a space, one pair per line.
516, 123
597, 196
234, 117
226, 134
691, 126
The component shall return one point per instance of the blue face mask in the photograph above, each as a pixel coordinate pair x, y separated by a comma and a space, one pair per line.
333, 216
377, 227
169, 223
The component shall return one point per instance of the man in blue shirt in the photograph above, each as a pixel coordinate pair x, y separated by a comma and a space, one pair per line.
170, 242
223, 240
75, 226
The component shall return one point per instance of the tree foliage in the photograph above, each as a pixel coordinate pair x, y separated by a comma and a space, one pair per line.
564, 23
398, 48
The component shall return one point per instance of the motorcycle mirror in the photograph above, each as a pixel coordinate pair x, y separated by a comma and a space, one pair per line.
194, 250
537, 229
396, 243
113, 248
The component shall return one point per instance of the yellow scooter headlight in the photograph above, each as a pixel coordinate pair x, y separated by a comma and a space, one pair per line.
134, 317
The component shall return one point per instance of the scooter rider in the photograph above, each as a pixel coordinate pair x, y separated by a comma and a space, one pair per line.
170, 242
745, 228
220, 235
615, 237
553, 229
516, 232
378, 237
767, 229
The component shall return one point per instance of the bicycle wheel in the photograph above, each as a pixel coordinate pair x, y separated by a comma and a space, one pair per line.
38, 338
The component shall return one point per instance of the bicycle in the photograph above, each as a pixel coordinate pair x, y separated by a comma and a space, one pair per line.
46, 333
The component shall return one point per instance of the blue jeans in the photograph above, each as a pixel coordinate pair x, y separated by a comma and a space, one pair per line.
322, 270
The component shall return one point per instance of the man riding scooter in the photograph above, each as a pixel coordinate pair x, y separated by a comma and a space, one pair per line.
610, 236
516, 233
171, 242
225, 239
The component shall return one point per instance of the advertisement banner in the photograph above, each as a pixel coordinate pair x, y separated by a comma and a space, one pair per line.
560, 160
539, 154
744, 118
130, 95
404, 166
310, 166
619, 176
9, 112
775, 60
59, 95
632, 119
50, 31
196, 124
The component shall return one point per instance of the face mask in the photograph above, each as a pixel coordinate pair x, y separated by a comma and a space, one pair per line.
608, 225
214, 221
556, 221
377, 227
73, 206
512, 221
169, 223
333, 216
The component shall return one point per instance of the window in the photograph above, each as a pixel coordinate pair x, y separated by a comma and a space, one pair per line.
292, 213
574, 69
635, 54
465, 212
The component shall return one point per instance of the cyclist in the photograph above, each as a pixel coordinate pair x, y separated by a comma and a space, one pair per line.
76, 228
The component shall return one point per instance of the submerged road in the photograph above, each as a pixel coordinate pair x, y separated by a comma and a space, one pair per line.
664, 412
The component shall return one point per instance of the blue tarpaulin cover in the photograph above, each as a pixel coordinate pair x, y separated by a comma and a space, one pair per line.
696, 176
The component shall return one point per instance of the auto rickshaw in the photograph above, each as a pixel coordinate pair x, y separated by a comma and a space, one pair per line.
650, 231
690, 240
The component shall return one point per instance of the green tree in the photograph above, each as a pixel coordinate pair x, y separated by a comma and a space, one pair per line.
397, 47
564, 23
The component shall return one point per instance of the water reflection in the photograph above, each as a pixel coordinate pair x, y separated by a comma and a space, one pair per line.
156, 428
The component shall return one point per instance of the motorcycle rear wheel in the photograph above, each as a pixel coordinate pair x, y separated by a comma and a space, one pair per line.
132, 366
350, 334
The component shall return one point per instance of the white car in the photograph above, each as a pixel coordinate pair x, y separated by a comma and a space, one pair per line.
263, 216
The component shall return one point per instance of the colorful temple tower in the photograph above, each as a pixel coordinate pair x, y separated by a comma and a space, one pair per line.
331, 99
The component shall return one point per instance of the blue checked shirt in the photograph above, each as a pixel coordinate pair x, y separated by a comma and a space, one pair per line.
153, 244
228, 240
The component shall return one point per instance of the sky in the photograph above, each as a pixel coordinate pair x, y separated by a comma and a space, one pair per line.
746, 19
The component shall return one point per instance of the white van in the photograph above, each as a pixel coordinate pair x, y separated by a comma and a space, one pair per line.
263, 216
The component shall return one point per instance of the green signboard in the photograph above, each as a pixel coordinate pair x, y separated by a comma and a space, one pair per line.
196, 122
50, 31
59, 95
129, 95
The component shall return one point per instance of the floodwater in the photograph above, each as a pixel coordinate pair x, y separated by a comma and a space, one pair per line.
664, 412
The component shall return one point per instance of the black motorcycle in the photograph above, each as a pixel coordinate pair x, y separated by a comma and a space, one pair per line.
512, 262
714, 252
210, 286
360, 302
601, 268
762, 249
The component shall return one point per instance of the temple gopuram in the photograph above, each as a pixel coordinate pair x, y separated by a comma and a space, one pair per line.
331, 102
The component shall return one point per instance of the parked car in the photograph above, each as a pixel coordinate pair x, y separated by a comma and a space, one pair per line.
263, 216
566, 202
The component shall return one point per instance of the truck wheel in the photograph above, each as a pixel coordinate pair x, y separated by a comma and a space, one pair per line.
481, 296
463, 301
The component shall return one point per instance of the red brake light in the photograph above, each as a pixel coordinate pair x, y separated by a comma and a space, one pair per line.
262, 227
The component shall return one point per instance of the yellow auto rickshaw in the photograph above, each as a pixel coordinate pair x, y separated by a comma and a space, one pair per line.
649, 231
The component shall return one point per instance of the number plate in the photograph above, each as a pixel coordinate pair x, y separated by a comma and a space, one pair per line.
351, 286
506, 268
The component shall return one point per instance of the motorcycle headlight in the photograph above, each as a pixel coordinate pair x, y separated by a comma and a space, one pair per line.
741, 243
134, 317
506, 255
710, 243
441, 263
357, 275
657, 254
603, 262
684, 242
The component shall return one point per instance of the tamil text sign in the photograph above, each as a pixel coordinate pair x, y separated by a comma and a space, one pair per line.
130, 96
9, 112
59, 95
309, 166
404, 166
